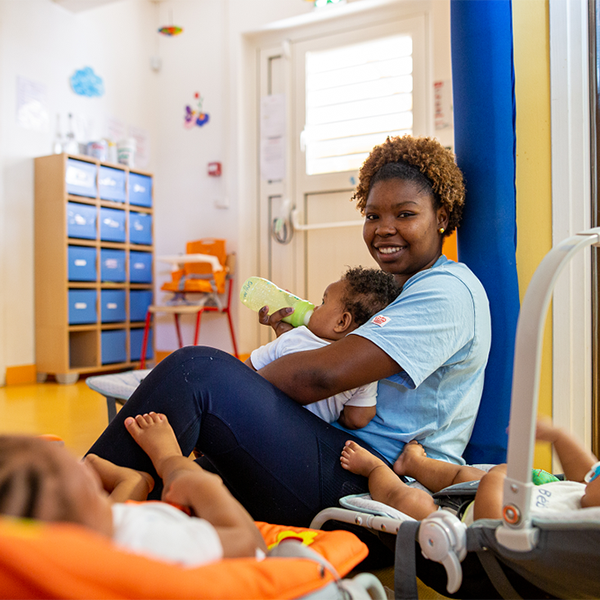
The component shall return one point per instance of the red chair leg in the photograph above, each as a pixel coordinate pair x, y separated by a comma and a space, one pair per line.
197, 332
145, 340
235, 352
176, 316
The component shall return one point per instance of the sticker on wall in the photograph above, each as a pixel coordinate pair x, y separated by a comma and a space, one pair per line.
195, 116
86, 83
171, 30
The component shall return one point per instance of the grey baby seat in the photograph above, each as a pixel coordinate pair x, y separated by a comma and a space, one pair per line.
518, 556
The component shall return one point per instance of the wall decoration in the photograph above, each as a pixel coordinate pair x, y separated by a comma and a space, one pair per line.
195, 116
170, 30
86, 83
32, 105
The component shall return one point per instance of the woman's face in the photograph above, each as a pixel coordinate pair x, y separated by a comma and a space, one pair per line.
401, 228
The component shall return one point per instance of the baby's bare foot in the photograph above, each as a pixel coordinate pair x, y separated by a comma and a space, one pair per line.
410, 459
356, 459
112, 475
155, 436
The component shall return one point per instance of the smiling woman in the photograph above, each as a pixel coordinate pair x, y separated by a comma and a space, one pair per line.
427, 350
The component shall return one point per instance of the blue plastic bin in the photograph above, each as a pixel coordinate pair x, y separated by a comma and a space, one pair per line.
112, 225
139, 301
140, 190
112, 265
111, 184
140, 267
136, 337
81, 178
113, 346
81, 221
140, 228
82, 307
81, 263
112, 306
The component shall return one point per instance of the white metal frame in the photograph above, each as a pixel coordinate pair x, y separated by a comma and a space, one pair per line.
571, 212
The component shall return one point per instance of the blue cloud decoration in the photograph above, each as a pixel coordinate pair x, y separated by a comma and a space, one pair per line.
86, 83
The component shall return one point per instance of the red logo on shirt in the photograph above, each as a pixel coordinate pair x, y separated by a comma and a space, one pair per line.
380, 320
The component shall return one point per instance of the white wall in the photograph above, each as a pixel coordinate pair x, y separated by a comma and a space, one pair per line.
45, 43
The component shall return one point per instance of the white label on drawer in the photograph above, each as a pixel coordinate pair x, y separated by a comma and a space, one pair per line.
139, 189
80, 305
107, 181
111, 263
79, 177
80, 262
139, 265
79, 220
111, 305
111, 223
138, 226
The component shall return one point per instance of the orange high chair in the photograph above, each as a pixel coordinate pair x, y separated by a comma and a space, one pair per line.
204, 271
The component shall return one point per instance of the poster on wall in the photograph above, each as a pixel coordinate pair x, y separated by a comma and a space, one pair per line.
32, 105
142, 141
272, 137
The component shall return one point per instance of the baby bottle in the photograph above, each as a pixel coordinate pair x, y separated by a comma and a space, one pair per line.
258, 292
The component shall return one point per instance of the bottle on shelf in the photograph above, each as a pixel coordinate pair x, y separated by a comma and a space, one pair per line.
71, 146
57, 144
258, 292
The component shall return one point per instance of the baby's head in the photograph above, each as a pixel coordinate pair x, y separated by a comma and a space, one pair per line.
352, 301
42, 480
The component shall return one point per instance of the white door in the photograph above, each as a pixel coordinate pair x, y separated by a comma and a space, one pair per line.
344, 93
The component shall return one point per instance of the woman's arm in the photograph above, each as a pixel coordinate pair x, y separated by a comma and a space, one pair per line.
316, 374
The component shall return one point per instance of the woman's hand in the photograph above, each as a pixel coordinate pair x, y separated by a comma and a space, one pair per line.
275, 320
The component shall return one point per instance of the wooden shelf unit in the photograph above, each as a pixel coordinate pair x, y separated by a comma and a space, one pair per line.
65, 349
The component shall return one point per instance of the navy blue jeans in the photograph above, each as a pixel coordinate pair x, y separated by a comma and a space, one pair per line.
278, 459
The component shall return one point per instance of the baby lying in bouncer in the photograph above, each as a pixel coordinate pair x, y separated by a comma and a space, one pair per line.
42, 480
580, 490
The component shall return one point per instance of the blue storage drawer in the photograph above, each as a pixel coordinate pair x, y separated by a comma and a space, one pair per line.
113, 346
81, 221
140, 267
140, 228
140, 189
112, 306
112, 265
136, 337
112, 225
81, 263
82, 307
81, 178
111, 184
139, 301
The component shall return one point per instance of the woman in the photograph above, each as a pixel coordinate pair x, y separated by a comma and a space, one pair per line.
429, 349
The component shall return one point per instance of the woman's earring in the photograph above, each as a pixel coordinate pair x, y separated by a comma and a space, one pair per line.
441, 230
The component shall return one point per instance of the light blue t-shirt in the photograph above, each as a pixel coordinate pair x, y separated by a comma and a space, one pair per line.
439, 331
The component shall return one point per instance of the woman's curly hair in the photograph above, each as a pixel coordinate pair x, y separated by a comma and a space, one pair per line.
438, 169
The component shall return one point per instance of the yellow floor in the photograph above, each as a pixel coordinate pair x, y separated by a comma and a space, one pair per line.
74, 412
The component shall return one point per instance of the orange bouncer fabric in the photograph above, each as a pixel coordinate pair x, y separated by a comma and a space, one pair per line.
190, 284
59, 560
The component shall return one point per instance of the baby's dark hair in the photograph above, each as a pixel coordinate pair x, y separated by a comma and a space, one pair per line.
27, 472
422, 161
367, 292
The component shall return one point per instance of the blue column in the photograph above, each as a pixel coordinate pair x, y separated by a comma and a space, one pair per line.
484, 124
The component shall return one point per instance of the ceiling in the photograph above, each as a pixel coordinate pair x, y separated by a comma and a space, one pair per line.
81, 5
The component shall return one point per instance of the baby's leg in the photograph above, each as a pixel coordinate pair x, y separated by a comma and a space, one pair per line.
488, 500
384, 485
434, 474
155, 436
121, 483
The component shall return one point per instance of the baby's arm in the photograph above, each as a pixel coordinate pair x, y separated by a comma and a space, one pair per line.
209, 499
575, 459
356, 417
